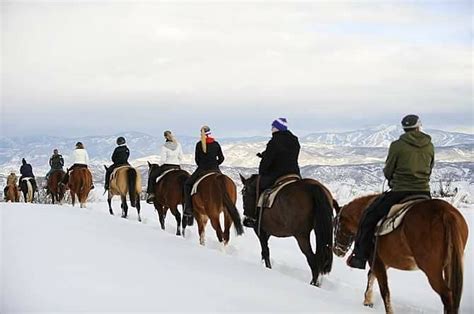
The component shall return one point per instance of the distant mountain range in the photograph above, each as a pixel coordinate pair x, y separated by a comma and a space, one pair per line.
355, 147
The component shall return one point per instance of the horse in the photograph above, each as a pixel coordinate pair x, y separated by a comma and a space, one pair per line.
299, 208
431, 237
125, 179
13, 193
169, 194
216, 193
79, 182
27, 188
55, 187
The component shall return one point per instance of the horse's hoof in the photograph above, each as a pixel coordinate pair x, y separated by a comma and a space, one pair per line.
316, 283
371, 305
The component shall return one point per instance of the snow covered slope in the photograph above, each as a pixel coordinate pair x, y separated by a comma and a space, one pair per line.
60, 258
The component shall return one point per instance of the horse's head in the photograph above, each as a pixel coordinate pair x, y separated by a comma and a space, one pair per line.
347, 223
249, 191
152, 167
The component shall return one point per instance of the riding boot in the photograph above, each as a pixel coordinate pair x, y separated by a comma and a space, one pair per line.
150, 199
188, 218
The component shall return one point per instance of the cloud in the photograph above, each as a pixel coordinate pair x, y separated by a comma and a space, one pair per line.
323, 58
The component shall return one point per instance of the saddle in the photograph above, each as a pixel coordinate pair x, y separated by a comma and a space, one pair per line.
27, 179
196, 184
268, 196
165, 173
396, 214
114, 172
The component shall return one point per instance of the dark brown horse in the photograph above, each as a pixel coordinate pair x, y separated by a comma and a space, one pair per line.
55, 187
299, 208
13, 193
432, 237
125, 180
79, 184
216, 193
169, 194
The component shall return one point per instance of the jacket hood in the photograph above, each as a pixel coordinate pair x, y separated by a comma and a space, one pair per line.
416, 138
171, 145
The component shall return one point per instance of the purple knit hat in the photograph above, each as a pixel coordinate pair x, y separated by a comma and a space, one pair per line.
281, 124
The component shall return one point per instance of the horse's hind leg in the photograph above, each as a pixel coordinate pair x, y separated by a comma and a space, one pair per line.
368, 295
202, 222
434, 272
73, 198
161, 214
263, 238
109, 201
137, 205
216, 224
177, 216
305, 247
124, 207
380, 272
227, 225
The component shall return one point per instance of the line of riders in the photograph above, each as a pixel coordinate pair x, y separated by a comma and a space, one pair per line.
407, 168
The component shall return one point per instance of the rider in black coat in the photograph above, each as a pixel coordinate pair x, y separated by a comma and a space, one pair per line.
119, 158
208, 156
279, 158
26, 171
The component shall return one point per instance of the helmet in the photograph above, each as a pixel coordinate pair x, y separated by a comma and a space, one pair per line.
411, 121
120, 140
79, 145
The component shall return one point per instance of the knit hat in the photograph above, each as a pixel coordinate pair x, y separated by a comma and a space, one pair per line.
23, 161
281, 124
411, 121
120, 140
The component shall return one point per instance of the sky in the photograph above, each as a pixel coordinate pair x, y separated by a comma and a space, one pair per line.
103, 67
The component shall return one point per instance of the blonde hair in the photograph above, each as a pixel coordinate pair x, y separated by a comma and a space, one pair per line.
205, 131
169, 136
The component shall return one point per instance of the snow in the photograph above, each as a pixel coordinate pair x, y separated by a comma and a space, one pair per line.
60, 258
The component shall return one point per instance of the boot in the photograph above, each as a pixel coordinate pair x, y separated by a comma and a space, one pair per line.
250, 222
356, 261
188, 218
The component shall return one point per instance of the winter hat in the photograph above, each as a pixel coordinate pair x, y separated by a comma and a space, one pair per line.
79, 145
55, 151
281, 124
120, 140
23, 161
411, 121
205, 132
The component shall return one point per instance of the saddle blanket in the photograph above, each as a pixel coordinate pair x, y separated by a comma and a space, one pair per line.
196, 184
164, 174
268, 197
395, 217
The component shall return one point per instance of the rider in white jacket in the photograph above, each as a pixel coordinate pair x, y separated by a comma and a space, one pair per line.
171, 157
81, 160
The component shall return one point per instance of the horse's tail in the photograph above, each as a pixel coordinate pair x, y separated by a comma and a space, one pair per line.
323, 228
453, 271
229, 204
132, 185
336, 206
181, 181
30, 190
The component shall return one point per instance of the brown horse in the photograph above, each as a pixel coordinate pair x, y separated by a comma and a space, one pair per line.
299, 208
55, 187
79, 182
125, 179
13, 193
432, 237
216, 193
169, 194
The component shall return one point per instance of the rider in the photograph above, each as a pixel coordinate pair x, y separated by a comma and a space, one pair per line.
171, 157
279, 158
119, 158
56, 162
11, 180
26, 171
407, 168
81, 160
208, 157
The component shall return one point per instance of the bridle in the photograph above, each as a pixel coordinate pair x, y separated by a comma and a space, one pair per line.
342, 239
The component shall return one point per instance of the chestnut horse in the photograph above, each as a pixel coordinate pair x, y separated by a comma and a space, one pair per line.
123, 180
432, 237
55, 187
79, 182
299, 208
13, 193
216, 193
169, 194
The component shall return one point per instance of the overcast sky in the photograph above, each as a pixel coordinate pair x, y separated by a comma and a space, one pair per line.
96, 67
